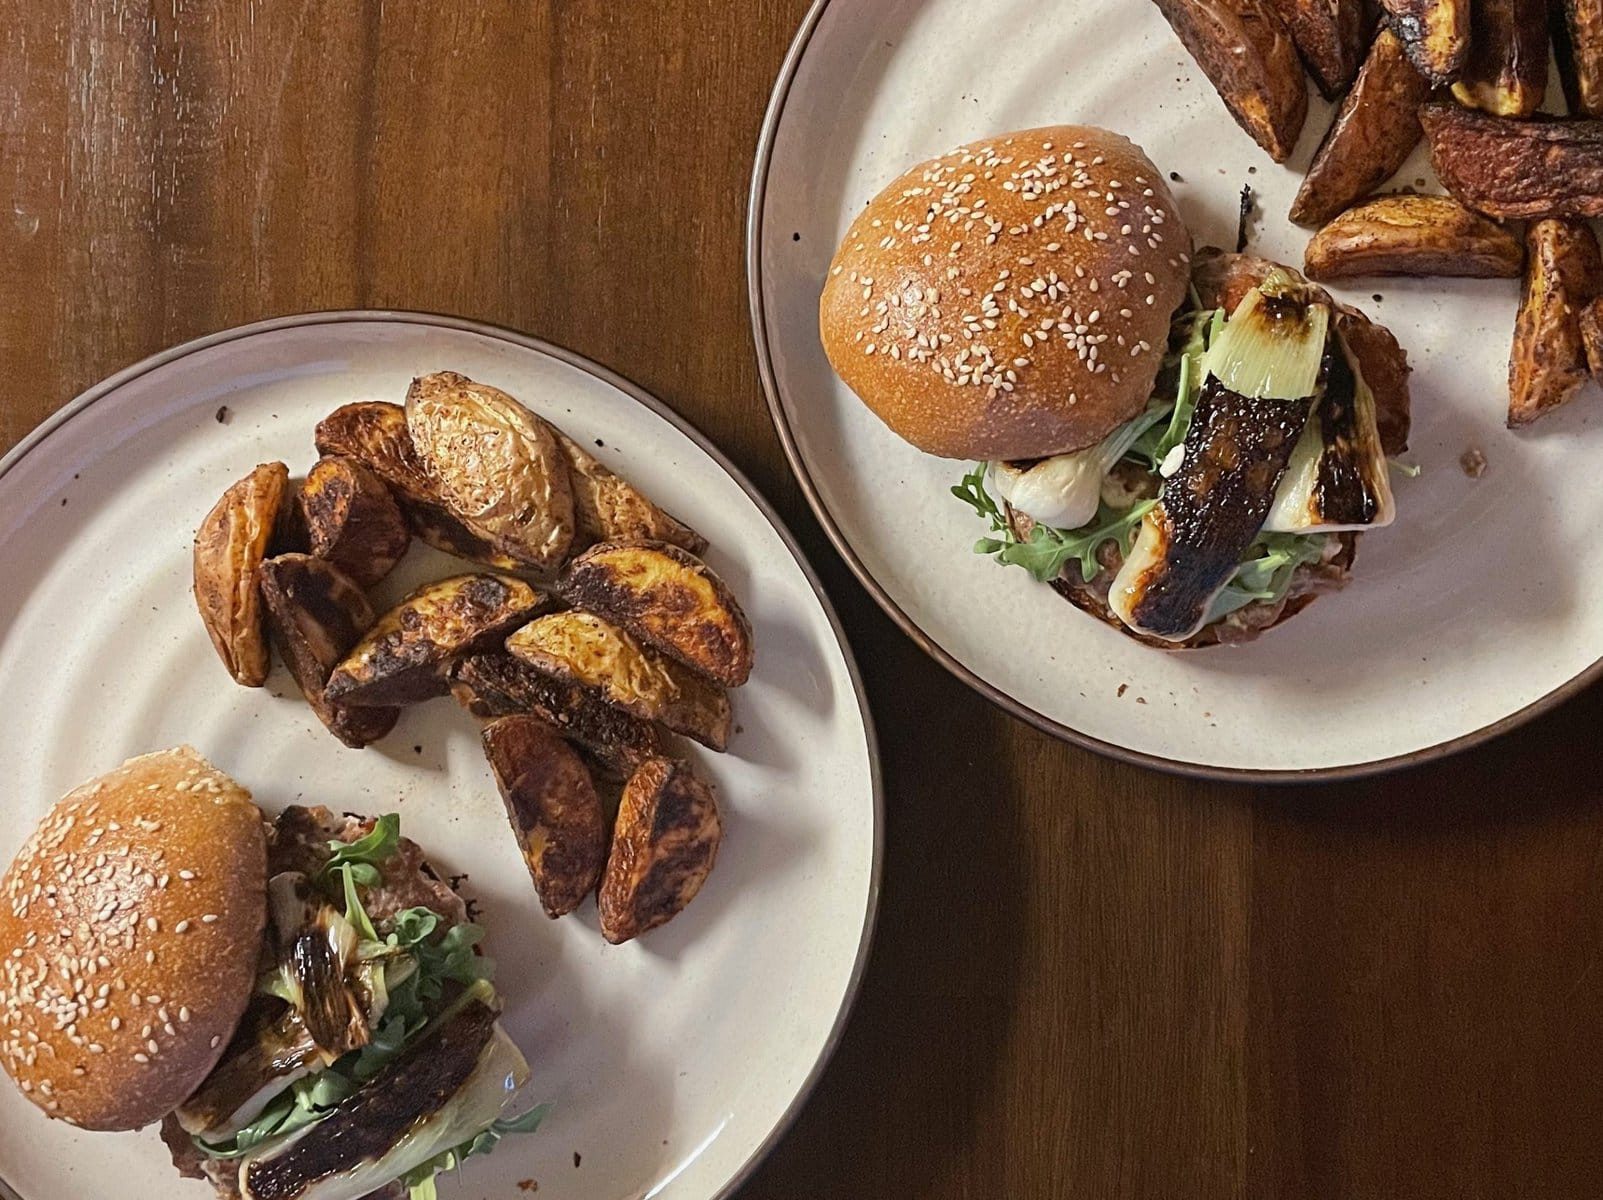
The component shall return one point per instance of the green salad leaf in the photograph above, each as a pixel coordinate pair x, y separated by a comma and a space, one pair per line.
363, 855
420, 1179
1266, 573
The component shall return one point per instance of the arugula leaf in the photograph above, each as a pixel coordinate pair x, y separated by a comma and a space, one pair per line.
354, 912
368, 851
1154, 444
972, 492
1049, 550
420, 1179
1266, 573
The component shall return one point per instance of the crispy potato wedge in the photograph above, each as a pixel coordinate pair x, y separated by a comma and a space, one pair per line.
1331, 35
350, 519
582, 648
1245, 50
670, 600
496, 466
1413, 235
1507, 168
1506, 70
316, 614
552, 804
1548, 363
1578, 45
1375, 128
1435, 33
407, 655
1592, 337
230, 544
608, 508
663, 848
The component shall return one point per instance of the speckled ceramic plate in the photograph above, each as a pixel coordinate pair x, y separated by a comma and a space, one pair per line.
672, 1062
1467, 617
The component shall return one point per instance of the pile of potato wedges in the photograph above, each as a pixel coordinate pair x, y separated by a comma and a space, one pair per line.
588, 633
1468, 76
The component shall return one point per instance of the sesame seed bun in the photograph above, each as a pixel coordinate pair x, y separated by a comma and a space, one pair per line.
1011, 299
130, 925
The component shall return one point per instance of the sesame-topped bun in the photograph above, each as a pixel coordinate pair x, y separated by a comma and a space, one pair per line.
130, 925
1010, 300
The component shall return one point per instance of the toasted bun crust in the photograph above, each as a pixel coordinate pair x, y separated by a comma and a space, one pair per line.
1011, 299
130, 924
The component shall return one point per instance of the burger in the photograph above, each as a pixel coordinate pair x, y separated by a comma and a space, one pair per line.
1184, 446
300, 1002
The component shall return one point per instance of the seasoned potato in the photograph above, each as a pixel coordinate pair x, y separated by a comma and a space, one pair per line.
1506, 71
1413, 235
407, 655
229, 545
582, 648
316, 614
1523, 169
350, 519
553, 807
1592, 337
498, 685
1578, 45
496, 466
1331, 36
1434, 32
663, 848
1548, 363
608, 508
670, 600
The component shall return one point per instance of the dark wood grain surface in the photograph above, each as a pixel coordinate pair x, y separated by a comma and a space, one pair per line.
1089, 981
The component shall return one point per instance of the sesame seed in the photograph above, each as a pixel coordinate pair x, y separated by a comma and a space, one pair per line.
141, 1058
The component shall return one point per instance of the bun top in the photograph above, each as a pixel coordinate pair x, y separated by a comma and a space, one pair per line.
130, 926
1011, 299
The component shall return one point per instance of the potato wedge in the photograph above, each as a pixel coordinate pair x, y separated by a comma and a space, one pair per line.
552, 804
407, 655
1331, 35
1507, 168
350, 519
1435, 33
498, 685
663, 848
1413, 235
1578, 45
230, 544
316, 613
1506, 70
1548, 363
495, 465
1592, 337
582, 648
1245, 50
670, 600
608, 508
1374, 130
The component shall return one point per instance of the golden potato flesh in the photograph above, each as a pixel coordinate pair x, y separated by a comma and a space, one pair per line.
670, 600
229, 545
407, 655
582, 648
608, 508
351, 520
663, 848
552, 804
1547, 364
496, 466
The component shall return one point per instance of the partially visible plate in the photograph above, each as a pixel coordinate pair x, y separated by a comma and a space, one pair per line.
672, 1062
1467, 617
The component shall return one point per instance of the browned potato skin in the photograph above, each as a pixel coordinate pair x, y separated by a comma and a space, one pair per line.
552, 804
1548, 363
351, 520
1245, 50
316, 614
663, 848
670, 600
1506, 70
608, 508
1578, 43
1413, 235
407, 655
1435, 33
1592, 337
1375, 128
229, 545
1517, 169
1331, 36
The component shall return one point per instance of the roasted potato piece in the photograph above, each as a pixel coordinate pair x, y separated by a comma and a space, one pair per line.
608, 508
407, 655
1578, 44
496, 466
1375, 128
663, 848
670, 600
1413, 235
553, 807
1435, 33
1331, 36
1592, 337
350, 519
316, 614
1245, 50
229, 545
498, 685
582, 648
1507, 168
1548, 364
1506, 71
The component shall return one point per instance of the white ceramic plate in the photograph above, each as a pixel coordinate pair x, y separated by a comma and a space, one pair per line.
1466, 617
672, 1062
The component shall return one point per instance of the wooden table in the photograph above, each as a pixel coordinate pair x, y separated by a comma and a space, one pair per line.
1089, 981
